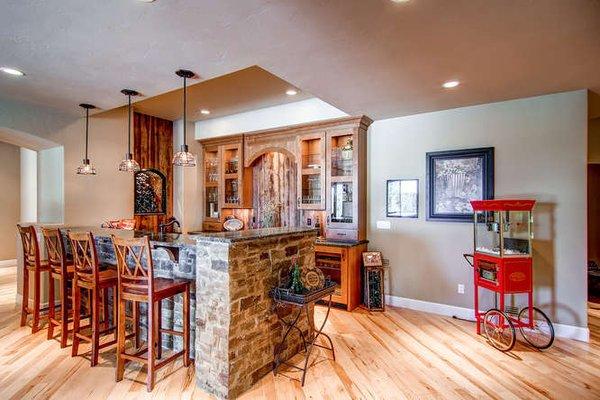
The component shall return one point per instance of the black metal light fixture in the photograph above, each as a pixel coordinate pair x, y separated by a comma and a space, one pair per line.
184, 158
86, 168
129, 164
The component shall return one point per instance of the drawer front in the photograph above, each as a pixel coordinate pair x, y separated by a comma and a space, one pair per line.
341, 234
212, 226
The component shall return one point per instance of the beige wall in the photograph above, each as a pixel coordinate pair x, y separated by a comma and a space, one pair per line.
89, 200
540, 150
9, 199
187, 189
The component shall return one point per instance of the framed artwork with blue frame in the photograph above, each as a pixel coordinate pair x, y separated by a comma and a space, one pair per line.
456, 177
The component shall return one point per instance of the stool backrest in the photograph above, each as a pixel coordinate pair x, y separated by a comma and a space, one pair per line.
134, 265
85, 257
31, 248
55, 248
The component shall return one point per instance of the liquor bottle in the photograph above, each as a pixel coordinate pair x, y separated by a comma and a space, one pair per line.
296, 285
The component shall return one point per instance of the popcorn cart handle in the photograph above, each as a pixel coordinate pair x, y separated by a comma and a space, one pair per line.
469, 258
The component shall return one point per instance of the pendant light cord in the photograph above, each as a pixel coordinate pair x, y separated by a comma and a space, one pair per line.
184, 110
129, 126
87, 119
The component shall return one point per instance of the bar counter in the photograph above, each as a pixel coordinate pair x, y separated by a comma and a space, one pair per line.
235, 329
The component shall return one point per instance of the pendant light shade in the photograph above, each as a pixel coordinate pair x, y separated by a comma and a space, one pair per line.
86, 168
184, 158
128, 164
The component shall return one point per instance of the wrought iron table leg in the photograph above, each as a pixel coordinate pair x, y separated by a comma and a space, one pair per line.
289, 325
312, 341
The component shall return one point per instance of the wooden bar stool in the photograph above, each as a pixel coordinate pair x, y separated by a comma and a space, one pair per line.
31, 263
138, 284
61, 269
87, 275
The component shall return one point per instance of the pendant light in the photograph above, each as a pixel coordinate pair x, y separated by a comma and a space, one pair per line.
129, 164
86, 168
184, 158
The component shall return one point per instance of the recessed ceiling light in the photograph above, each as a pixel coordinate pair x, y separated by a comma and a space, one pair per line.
450, 84
146, 1
291, 92
205, 112
400, 1
12, 71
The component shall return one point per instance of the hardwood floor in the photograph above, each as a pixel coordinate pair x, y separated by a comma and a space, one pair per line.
393, 355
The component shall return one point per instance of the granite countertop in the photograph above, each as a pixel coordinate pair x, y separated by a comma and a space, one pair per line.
190, 239
339, 243
251, 234
166, 239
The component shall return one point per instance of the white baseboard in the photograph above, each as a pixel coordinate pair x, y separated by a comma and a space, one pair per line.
8, 263
560, 330
572, 332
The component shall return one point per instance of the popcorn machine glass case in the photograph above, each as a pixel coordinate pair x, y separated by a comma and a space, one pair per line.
504, 233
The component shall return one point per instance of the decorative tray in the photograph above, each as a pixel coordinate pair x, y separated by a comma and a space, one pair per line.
285, 294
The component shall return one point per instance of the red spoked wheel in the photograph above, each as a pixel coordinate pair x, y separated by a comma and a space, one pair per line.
540, 333
499, 330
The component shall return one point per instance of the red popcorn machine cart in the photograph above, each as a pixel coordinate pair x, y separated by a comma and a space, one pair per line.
502, 263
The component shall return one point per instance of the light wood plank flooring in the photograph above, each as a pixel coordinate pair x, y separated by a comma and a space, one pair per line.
393, 355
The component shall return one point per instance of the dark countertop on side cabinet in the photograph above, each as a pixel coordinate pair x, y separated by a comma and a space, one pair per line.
339, 243
250, 234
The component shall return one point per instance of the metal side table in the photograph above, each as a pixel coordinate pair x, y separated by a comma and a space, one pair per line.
283, 297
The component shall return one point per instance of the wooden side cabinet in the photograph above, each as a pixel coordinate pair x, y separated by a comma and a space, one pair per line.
342, 264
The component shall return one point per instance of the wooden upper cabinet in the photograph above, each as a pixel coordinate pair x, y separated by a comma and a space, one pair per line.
231, 182
227, 184
330, 163
311, 171
212, 179
342, 182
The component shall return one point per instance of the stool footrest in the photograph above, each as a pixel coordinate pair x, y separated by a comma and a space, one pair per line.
171, 332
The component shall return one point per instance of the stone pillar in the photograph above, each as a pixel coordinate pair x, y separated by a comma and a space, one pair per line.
237, 329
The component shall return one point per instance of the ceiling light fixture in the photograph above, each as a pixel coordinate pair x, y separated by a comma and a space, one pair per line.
86, 168
204, 112
450, 84
129, 164
291, 92
12, 71
184, 158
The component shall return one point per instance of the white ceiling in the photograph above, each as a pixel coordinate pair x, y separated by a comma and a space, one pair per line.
373, 57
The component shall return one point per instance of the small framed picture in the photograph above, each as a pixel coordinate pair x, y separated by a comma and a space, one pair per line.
402, 198
372, 259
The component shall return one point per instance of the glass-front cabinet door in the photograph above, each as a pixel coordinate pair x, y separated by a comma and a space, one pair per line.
342, 179
311, 172
211, 183
232, 176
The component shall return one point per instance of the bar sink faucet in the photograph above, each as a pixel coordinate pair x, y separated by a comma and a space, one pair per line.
172, 221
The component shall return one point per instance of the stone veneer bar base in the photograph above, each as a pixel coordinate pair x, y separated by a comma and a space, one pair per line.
236, 326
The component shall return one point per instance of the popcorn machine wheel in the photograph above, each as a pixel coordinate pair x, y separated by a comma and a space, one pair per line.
502, 263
